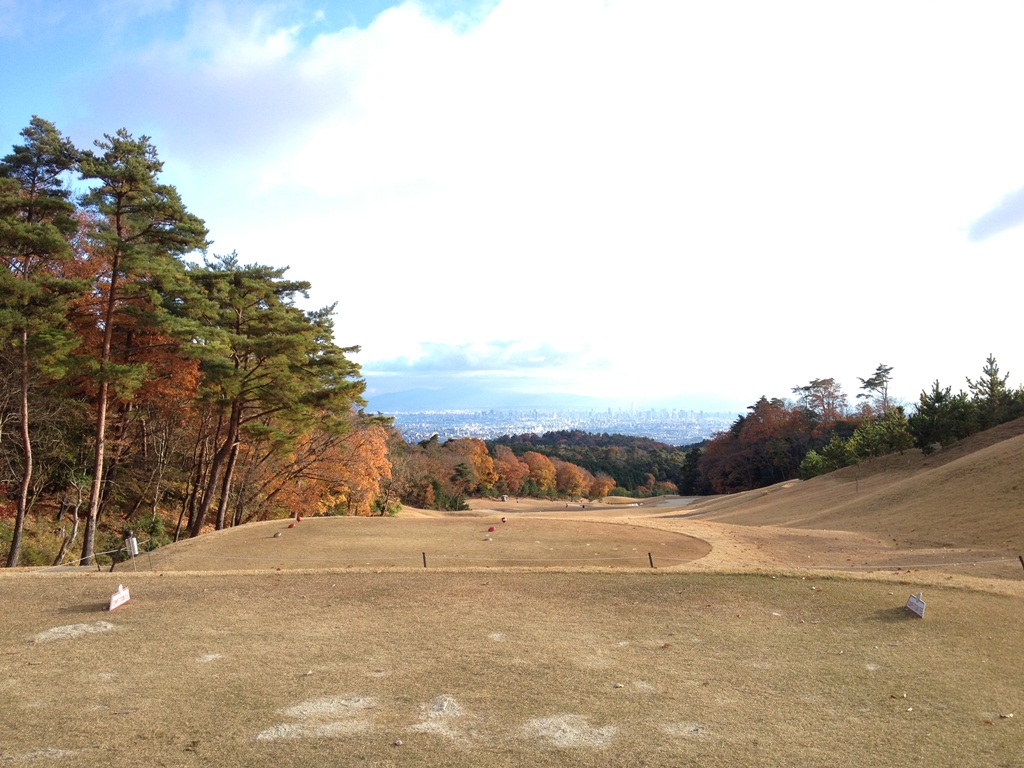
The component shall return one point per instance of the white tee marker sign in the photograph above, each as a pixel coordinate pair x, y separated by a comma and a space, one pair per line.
916, 604
119, 598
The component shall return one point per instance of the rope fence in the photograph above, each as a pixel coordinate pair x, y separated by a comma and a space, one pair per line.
115, 559
121, 556
426, 560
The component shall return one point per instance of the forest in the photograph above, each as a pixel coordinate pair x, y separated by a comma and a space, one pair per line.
148, 385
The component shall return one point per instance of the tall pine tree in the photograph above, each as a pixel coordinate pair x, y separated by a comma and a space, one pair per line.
266, 365
145, 229
36, 222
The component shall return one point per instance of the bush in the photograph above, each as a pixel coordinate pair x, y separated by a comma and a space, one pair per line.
155, 530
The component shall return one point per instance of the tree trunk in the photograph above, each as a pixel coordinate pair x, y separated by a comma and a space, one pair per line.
93, 513
69, 540
225, 492
26, 475
219, 458
195, 482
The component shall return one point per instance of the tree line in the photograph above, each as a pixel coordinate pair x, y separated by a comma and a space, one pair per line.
820, 430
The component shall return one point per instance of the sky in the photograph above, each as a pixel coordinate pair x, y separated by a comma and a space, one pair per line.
689, 203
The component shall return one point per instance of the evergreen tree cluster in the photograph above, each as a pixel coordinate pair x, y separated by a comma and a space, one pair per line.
140, 375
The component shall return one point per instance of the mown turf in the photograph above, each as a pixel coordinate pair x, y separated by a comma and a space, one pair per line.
550, 641
537, 668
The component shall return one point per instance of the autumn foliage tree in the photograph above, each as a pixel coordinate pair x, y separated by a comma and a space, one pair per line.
472, 451
824, 401
571, 480
542, 480
335, 471
511, 470
601, 485
762, 447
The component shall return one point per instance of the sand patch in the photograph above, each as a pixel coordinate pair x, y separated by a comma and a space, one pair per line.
71, 631
437, 717
564, 731
312, 730
330, 707
207, 658
331, 716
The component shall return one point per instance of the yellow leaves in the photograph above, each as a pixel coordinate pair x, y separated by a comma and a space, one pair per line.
511, 470
330, 473
542, 471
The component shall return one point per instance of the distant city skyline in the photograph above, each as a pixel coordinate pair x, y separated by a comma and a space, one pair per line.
664, 425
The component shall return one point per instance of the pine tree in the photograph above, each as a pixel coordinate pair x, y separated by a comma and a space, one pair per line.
877, 386
266, 365
942, 417
990, 394
145, 230
36, 222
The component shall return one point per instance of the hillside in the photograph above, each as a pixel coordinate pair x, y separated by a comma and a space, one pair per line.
969, 495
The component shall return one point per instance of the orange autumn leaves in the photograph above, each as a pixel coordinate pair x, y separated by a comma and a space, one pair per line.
441, 475
336, 474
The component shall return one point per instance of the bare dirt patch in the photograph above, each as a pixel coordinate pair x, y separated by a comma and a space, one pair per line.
323, 717
569, 731
71, 631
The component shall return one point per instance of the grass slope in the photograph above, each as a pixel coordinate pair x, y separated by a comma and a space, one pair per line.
971, 495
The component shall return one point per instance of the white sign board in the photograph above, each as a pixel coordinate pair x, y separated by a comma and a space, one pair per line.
119, 598
916, 604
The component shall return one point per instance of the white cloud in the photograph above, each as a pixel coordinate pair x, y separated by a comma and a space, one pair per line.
750, 193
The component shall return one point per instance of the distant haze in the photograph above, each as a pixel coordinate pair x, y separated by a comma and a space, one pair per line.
456, 397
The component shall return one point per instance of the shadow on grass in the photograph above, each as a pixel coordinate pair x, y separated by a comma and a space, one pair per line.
93, 607
895, 615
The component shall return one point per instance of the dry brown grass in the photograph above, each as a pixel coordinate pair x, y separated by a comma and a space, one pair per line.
331, 644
